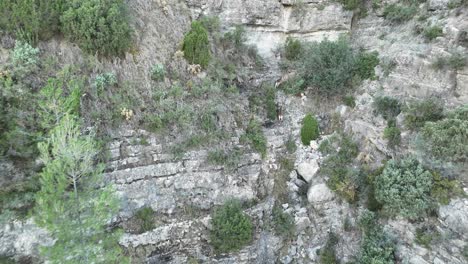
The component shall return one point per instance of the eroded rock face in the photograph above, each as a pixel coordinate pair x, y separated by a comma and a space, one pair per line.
455, 216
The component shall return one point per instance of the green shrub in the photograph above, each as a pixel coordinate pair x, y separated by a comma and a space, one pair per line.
283, 223
270, 102
444, 189
432, 32
31, 20
341, 152
25, 59
255, 137
328, 252
393, 135
196, 45
211, 23
292, 49
365, 64
376, 245
447, 139
236, 37
145, 217
327, 66
231, 228
309, 130
387, 107
350, 101
418, 113
404, 188
158, 72
229, 159
399, 13
98, 26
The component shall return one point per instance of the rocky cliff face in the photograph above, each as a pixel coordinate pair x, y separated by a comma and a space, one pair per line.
183, 192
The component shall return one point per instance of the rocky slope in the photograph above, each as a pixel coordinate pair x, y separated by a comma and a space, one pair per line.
184, 191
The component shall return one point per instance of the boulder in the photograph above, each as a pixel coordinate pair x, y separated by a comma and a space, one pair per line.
308, 170
319, 193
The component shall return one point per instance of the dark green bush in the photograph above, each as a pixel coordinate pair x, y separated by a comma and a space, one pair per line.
98, 26
387, 107
351, 4
432, 32
418, 113
231, 228
270, 102
425, 235
309, 130
447, 139
292, 49
31, 20
145, 217
399, 13
365, 64
196, 45
404, 188
327, 66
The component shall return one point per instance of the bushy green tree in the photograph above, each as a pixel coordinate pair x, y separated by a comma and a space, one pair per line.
72, 204
31, 20
309, 130
404, 188
98, 26
447, 139
196, 45
231, 228
327, 66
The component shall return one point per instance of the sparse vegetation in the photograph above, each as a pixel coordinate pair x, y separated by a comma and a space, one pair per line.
392, 134
455, 61
145, 217
387, 107
158, 72
292, 49
341, 151
419, 112
328, 252
231, 228
397, 13
350, 101
283, 222
365, 64
432, 32
309, 130
254, 136
425, 235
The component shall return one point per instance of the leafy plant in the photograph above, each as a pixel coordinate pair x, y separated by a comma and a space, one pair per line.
196, 45
444, 189
98, 26
404, 188
425, 235
309, 130
104, 80
328, 252
350, 101
231, 228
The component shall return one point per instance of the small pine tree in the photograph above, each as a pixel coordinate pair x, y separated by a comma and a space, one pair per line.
232, 229
196, 45
309, 130
70, 203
